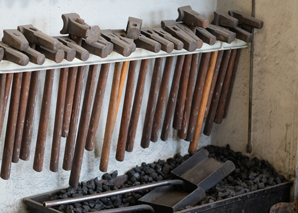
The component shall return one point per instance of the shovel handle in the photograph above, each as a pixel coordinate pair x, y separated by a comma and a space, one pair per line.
172, 98
194, 144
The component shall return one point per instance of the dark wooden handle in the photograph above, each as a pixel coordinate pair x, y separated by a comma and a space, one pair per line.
11, 126
194, 144
134, 118
58, 120
197, 96
217, 92
172, 98
126, 112
182, 133
161, 98
2, 97
29, 117
43, 121
71, 138
21, 116
180, 104
151, 104
105, 152
225, 89
96, 111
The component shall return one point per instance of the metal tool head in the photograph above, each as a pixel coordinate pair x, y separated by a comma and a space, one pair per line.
13, 55
148, 44
191, 17
222, 34
69, 53
224, 20
166, 45
81, 53
75, 26
189, 43
178, 45
101, 48
56, 56
246, 20
122, 34
202, 171
15, 39
133, 28
206, 36
33, 35
120, 45
1, 53
242, 34
191, 34
34, 56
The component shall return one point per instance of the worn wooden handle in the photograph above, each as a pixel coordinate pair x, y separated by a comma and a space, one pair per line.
105, 153
161, 98
2, 97
172, 98
194, 144
217, 92
58, 120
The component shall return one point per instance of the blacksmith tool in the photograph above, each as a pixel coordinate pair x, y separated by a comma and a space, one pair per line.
191, 17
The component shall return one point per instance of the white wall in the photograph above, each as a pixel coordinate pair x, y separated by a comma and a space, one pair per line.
46, 16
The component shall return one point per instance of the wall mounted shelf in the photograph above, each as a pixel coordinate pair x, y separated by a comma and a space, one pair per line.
9, 67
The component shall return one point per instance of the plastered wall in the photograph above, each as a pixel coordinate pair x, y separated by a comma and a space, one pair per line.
46, 16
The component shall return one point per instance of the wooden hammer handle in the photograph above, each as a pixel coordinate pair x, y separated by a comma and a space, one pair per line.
110, 119
161, 98
217, 92
134, 118
21, 116
197, 96
11, 126
58, 120
29, 117
172, 98
2, 97
194, 144
126, 112
180, 104
225, 89
182, 133
43, 121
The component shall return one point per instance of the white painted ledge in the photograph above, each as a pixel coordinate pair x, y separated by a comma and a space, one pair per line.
9, 67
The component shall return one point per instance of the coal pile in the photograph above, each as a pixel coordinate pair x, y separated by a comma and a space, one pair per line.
249, 175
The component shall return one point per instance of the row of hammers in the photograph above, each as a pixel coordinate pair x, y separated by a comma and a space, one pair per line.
201, 86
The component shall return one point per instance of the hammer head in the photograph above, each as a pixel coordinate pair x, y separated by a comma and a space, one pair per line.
133, 29
75, 26
191, 17
15, 39
224, 20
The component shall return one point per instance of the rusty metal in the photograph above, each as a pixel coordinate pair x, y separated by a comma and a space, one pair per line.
35, 56
225, 20
133, 28
43, 121
172, 98
169, 26
101, 47
110, 119
214, 79
232, 82
129, 209
246, 19
161, 98
74, 25
56, 56
166, 45
204, 34
69, 53
221, 33
11, 126
225, 89
191, 17
69, 146
178, 45
197, 96
21, 116
126, 112
35, 36
15, 39
217, 92
134, 118
151, 103
1, 53
242, 34
83, 125
148, 44
191, 33
182, 133
180, 103
122, 34
194, 143
58, 120
96, 111
29, 117
13, 55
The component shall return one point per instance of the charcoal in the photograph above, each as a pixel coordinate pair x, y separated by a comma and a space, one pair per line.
143, 164
261, 185
149, 171
231, 179
137, 175
166, 169
78, 210
91, 184
238, 188
242, 191
105, 188
117, 202
106, 176
62, 207
138, 169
